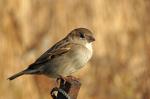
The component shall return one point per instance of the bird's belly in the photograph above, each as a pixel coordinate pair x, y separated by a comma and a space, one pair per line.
76, 61
67, 64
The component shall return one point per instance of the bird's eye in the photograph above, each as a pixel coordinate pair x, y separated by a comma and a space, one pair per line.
81, 35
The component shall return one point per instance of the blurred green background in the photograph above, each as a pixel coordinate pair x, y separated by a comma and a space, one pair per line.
120, 66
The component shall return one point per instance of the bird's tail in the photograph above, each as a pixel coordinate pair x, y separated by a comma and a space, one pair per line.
17, 75
27, 71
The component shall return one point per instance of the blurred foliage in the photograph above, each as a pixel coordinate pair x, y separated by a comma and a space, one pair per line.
119, 68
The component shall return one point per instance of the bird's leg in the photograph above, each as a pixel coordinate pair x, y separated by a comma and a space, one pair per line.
64, 79
61, 79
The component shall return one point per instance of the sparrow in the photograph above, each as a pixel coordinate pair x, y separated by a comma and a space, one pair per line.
65, 57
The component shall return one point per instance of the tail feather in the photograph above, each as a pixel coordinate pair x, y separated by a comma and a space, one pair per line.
27, 71
16, 75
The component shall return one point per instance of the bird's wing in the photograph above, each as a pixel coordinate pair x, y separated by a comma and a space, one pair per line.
58, 47
50, 54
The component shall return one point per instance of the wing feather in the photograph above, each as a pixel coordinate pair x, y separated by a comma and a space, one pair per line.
50, 54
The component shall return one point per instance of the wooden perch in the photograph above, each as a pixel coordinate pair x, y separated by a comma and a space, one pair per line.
68, 89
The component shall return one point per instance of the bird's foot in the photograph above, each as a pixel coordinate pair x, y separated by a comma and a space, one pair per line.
67, 78
60, 79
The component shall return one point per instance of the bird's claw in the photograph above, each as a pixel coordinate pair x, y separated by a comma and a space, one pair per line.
61, 79
64, 79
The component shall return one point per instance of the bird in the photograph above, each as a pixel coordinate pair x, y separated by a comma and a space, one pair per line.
65, 57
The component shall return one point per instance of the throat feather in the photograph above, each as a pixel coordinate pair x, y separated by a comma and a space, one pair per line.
89, 46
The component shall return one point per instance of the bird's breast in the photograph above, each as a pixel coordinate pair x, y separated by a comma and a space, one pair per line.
82, 56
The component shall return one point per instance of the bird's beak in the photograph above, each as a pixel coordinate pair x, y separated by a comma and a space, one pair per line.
91, 39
